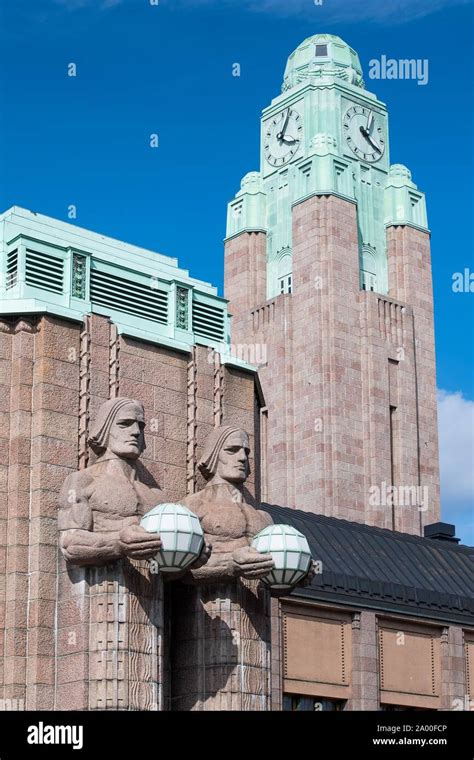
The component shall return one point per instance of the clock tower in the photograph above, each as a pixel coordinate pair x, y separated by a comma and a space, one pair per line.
328, 274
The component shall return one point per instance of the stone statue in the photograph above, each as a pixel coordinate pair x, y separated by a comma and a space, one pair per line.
228, 519
101, 506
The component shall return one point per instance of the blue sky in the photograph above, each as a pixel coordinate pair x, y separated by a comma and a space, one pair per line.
167, 69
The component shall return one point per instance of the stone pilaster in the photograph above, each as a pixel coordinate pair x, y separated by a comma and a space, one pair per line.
276, 656
18, 516
365, 681
5, 405
220, 639
125, 638
326, 371
54, 456
389, 412
245, 261
238, 397
267, 331
157, 377
453, 672
410, 281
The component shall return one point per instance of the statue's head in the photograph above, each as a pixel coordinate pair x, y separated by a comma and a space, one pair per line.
225, 458
118, 429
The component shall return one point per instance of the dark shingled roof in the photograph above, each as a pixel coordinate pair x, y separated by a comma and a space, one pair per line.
374, 568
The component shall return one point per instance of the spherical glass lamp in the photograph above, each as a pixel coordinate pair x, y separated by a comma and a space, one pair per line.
181, 535
290, 551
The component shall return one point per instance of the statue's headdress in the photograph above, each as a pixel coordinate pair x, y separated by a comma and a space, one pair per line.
207, 464
100, 427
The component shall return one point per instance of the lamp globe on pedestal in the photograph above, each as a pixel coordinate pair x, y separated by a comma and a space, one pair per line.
181, 535
291, 555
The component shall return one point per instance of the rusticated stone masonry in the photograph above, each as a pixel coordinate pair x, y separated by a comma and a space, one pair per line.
349, 378
79, 638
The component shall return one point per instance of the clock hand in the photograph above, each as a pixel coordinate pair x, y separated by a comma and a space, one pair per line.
374, 143
281, 134
289, 139
370, 139
370, 121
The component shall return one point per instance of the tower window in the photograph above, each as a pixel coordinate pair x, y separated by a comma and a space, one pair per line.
367, 280
285, 284
321, 51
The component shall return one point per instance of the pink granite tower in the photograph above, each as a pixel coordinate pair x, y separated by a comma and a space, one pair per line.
328, 274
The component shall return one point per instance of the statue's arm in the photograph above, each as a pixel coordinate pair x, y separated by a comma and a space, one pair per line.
78, 541
217, 570
228, 562
216, 562
220, 567
82, 547
265, 519
229, 559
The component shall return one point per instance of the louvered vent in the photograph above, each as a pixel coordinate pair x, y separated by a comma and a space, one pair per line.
208, 321
12, 269
44, 271
145, 301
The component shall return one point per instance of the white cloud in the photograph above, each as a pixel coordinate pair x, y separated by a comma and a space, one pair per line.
393, 11
74, 5
456, 444
381, 11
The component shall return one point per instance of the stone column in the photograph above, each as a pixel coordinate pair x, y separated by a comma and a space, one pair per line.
125, 637
365, 685
245, 263
389, 409
220, 647
18, 526
410, 281
269, 332
326, 372
5, 388
238, 408
453, 671
276, 656
54, 455
81, 398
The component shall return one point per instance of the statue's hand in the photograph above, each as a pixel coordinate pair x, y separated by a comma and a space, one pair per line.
203, 557
252, 564
135, 542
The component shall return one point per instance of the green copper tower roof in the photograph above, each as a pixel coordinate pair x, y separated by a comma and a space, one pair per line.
322, 55
325, 108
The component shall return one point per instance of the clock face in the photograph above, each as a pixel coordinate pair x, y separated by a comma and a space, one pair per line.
364, 133
283, 136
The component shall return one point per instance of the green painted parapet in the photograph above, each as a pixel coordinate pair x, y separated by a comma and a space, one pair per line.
404, 203
50, 266
247, 212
